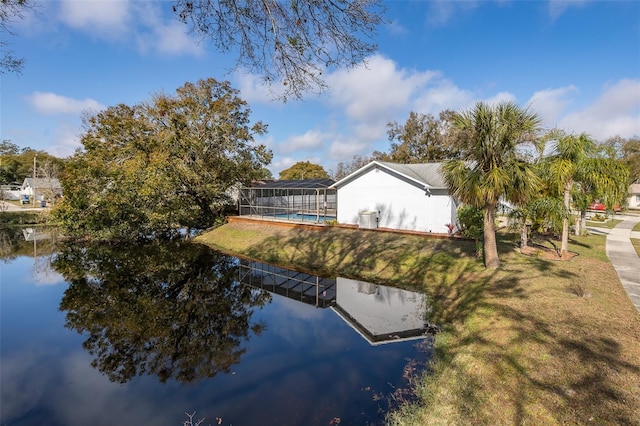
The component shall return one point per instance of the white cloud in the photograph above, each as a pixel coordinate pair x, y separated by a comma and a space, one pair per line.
550, 104
104, 19
310, 140
443, 94
441, 12
346, 150
500, 97
280, 164
52, 103
254, 90
558, 7
141, 23
396, 28
376, 91
615, 112
66, 140
167, 38
173, 40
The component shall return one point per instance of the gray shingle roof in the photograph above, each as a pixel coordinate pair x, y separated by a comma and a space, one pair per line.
52, 183
427, 173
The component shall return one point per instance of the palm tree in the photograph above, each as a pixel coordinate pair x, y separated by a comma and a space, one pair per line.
575, 167
491, 168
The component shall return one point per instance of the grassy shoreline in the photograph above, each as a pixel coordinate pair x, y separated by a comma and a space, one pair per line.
537, 341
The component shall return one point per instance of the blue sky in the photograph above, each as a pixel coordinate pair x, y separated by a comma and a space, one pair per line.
575, 63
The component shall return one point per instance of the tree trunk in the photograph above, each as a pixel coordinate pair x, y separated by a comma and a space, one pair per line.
583, 221
491, 259
578, 227
564, 248
524, 235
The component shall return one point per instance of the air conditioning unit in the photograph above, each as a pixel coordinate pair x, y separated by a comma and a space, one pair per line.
368, 220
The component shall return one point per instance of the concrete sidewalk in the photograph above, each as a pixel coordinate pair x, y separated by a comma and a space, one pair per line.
624, 258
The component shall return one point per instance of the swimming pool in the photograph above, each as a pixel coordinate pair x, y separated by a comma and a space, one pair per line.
304, 217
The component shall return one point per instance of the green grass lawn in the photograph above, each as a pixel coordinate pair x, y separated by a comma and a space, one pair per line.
611, 223
636, 227
537, 341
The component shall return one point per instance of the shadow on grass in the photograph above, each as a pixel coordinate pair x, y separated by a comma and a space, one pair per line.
515, 342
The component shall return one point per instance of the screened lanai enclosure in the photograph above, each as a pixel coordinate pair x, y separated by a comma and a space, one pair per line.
308, 200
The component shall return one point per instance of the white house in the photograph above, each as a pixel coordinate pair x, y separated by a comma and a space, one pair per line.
634, 196
45, 187
396, 196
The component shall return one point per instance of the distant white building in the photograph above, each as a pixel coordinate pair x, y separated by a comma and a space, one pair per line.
44, 187
634, 196
10, 192
397, 196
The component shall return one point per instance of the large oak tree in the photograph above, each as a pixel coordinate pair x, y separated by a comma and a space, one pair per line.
422, 138
146, 170
304, 170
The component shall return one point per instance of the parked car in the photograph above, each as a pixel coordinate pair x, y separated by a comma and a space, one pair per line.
601, 207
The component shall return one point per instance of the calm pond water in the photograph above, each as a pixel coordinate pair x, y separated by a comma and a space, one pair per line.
101, 335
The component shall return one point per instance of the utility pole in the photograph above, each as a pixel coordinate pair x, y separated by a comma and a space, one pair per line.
34, 179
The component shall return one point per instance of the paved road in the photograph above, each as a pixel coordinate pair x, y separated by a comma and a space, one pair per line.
13, 208
623, 256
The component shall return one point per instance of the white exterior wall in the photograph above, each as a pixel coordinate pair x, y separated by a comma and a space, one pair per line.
401, 204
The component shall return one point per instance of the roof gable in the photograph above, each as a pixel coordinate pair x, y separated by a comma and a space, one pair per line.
428, 175
42, 183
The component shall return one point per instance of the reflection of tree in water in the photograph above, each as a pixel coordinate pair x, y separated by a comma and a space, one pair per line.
176, 311
9, 240
18, 241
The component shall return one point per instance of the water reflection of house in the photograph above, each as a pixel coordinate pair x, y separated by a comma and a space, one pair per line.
380, 314
33, 234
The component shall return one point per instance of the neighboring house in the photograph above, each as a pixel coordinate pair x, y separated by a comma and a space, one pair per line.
10, 192
634, 196
397, 196
44, 187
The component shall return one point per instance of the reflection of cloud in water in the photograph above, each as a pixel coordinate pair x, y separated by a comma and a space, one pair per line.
24, 379
69, 391
46, 276
295, 323
90, 398
297, 309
